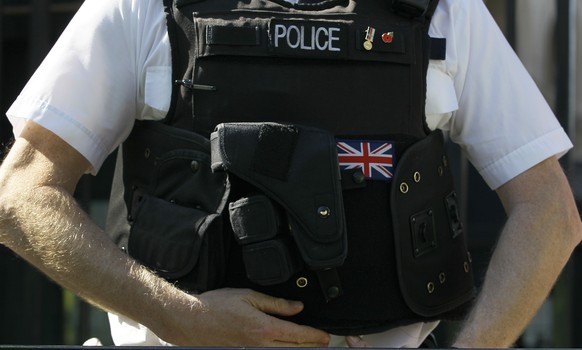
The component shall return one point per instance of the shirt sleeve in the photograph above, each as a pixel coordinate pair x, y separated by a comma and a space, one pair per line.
502, 121
89, 89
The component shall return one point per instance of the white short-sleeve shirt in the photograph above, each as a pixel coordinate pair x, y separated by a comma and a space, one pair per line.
112, 65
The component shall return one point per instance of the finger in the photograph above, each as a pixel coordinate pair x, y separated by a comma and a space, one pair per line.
275, 306
299, 335
285, 331
309, 336
356, 342
278, 344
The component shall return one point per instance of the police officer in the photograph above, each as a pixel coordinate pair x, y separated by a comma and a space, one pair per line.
83, 102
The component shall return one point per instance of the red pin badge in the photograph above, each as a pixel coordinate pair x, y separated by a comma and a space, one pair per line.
388, 37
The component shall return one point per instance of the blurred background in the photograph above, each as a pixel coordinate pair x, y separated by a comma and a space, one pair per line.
544, 33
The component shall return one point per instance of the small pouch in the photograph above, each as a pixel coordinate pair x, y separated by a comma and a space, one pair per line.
267, 248
253, 219
174, 253
177, 241
270, 262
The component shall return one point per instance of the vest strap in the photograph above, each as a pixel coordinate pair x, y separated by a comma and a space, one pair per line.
330, 283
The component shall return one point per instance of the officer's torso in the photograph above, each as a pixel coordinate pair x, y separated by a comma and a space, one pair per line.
356, 69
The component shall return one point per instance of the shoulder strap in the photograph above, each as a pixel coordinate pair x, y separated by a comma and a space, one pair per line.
438, 46
180, 44
431, 8
421, 9
173, 37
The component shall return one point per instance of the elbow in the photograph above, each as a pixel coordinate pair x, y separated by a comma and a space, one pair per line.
576, 228
4, 207
7, 217
571, 225
12, 198
5, 226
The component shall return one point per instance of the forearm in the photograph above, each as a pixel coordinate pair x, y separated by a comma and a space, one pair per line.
534, 246
41, 221
62, 242
45, 226
519, 278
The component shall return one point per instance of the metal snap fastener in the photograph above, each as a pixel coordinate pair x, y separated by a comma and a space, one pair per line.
404, 187
301, 282
194, 166
466, 266
358, 177
147, 153
430, 287
333, 292
323, 212
442, 277
440, 171
416, 176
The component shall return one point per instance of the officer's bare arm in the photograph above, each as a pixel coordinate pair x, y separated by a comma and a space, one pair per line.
40, 220
542, 230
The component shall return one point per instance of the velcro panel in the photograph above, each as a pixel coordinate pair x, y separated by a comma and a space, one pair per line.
229, 35
275, 149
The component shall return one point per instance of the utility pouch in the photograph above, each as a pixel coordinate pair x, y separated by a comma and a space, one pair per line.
172, 239
174, 206
296, 168
434, 266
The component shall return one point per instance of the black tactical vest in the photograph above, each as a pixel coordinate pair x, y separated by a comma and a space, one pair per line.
366, 231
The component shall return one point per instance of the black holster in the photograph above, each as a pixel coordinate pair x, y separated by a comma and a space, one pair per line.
295, 170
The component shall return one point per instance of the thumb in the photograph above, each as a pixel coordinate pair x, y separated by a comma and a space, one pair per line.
275, 306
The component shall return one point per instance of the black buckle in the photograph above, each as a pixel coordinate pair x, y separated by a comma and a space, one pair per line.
414, 8
452, 209
423, 232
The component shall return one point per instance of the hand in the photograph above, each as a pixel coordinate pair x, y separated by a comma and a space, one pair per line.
356, 342
241, 317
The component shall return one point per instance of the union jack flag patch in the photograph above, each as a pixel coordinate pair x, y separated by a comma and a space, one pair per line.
375, 158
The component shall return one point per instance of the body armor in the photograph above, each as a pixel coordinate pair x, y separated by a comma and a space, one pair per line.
295, 160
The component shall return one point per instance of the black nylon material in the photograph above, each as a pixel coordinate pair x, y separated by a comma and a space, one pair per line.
365, 90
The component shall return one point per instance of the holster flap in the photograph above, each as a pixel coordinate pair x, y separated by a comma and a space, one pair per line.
297, 167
